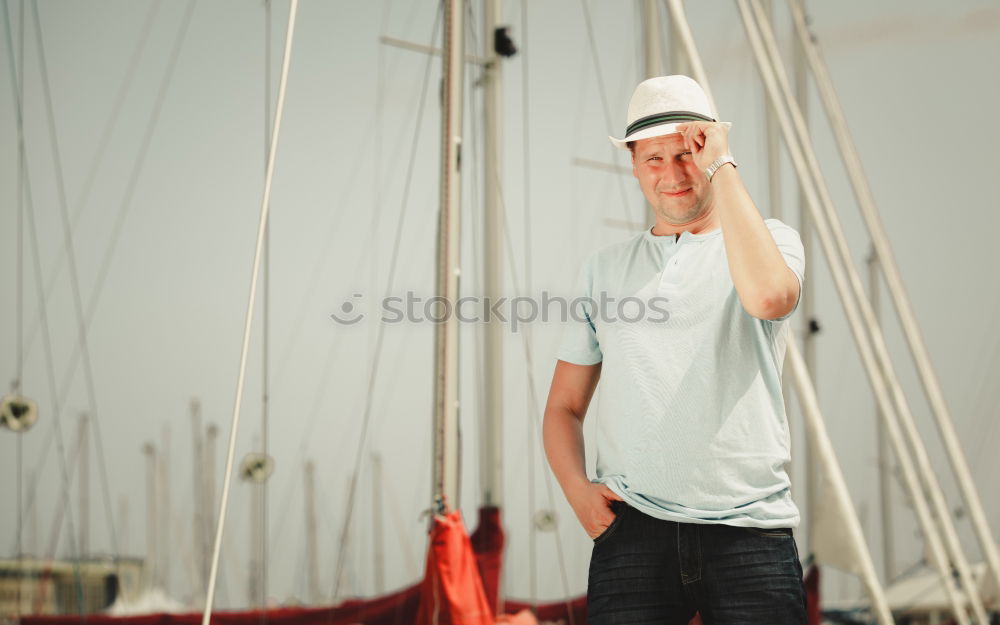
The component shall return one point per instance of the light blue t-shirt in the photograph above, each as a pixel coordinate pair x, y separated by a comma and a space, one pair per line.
692, 425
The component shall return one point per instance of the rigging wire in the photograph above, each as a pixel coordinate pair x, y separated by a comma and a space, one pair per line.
21, 173
314, 277
366, 416
327, 371
332, 353
16, 78
397, 517
98, 159
20, 300
105, 266
602, 91
75, 283
265, 204
43, 311
57, 522
377, 183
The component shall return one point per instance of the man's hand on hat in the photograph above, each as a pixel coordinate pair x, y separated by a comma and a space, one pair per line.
706, 141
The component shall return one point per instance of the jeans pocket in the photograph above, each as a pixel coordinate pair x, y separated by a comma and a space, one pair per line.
771, 532
619, 509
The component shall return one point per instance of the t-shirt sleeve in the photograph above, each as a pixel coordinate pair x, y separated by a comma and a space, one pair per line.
579, 344
790, 245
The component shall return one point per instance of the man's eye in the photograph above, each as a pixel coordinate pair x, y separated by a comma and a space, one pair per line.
654, 158
684, 154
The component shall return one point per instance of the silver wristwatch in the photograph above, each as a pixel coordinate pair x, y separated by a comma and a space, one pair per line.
717, 163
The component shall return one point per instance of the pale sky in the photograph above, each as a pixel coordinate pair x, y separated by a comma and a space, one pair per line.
916, 80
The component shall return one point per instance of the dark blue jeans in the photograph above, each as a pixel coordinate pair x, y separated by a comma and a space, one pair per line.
645, 570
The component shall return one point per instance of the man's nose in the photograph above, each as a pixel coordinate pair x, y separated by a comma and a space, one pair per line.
674, 172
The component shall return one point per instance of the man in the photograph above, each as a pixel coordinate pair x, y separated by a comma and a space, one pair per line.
691, 509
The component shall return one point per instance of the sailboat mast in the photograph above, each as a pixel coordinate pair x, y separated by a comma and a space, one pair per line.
652, 50
312, 566
378, 543
445, 475
84, 494
198, 529
491, 430
151, 516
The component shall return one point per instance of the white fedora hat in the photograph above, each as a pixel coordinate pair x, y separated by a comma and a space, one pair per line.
660, 104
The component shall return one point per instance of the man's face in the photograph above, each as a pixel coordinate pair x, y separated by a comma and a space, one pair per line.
674, 186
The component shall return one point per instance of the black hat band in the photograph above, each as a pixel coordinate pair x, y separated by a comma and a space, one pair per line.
665, 118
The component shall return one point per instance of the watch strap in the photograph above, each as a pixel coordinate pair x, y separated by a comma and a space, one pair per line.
717, 163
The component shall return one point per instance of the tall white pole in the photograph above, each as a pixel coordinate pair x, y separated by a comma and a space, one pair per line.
652, 56
652, 44
491, 432
894, 280
681, 62
681, 31
773, 148
884, 453
808, 303
445, 473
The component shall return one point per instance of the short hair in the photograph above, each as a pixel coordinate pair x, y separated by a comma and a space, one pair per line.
631, 147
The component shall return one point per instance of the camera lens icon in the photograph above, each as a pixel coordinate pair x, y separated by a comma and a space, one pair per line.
349, 314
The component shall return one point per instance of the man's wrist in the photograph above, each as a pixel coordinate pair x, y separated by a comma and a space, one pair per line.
717, 164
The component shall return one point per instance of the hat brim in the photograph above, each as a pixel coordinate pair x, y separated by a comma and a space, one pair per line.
655, 131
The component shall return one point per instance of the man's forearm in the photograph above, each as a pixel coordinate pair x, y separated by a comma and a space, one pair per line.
562, 433
766, 286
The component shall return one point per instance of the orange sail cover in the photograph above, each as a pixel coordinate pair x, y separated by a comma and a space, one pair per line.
452, 591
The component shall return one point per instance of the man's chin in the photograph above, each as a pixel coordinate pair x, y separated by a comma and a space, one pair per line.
682, 220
